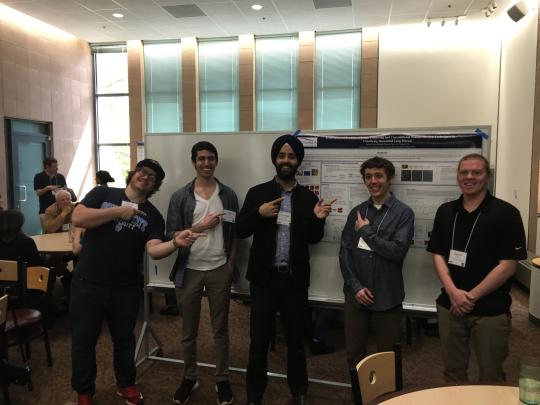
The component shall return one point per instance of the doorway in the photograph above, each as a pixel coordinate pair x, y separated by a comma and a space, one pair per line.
28, 143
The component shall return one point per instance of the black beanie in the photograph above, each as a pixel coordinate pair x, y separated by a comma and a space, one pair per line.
294, 143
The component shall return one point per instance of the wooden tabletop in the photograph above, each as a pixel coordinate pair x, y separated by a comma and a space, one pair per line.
53, 242
460, 395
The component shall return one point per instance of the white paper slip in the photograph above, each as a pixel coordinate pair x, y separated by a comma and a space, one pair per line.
229, 216
65, 227
284, 218
130, 204
362, 244
457, 258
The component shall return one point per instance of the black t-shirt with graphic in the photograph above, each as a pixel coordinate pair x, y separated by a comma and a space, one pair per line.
112, 253
42, 180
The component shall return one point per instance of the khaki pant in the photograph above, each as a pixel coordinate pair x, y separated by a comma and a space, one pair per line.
387, 328
489, 336
217, 286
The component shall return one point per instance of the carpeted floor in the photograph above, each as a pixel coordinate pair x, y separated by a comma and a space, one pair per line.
158, 380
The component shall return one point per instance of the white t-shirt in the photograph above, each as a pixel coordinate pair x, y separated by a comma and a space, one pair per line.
207, 253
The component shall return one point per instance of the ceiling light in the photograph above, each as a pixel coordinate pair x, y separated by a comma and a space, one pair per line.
256, 7
118, 15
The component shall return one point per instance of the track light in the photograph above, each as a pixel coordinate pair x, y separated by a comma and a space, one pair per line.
442, 20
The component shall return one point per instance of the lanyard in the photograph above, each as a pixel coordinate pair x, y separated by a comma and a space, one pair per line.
380, 223
472, 230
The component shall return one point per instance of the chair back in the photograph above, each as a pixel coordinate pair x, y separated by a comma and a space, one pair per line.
37, 278
3, 310
379, 374
8, 270
12, 279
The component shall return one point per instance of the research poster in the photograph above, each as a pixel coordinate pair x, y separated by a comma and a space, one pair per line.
425, 173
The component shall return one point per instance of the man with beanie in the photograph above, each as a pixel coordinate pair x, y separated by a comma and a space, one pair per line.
120, 224
284, 217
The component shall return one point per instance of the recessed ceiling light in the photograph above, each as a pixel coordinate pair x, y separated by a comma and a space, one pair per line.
256, 7
118, 15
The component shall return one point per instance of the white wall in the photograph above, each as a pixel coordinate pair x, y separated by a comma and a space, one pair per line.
516, 110
457, 76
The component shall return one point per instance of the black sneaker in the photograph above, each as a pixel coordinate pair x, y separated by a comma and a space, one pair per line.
181, 396
224, 393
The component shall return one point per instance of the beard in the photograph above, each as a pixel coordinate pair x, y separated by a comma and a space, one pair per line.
288, 174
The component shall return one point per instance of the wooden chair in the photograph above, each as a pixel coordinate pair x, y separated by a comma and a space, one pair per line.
379, 374
10, 272
22, 320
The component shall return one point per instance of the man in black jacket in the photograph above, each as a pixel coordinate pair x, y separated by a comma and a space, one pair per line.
283, 217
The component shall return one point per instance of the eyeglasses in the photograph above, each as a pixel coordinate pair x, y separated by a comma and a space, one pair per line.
147, 174
472, 173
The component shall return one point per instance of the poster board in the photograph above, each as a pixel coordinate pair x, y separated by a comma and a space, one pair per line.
425, 161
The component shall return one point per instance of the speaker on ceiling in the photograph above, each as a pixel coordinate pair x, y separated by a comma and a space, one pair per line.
518, 11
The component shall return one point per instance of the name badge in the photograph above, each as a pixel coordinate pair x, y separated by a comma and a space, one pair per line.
229, 216
284, 218
457, 258
130, 204
362, 244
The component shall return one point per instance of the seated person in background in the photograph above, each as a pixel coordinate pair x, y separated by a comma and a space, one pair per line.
103, 177
57, 217
14, 244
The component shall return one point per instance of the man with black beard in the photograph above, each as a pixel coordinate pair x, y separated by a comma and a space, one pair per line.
284, 217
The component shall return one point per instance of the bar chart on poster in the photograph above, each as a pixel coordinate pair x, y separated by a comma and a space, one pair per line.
425, 162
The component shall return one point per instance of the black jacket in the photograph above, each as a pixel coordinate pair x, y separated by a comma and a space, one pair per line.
305, 228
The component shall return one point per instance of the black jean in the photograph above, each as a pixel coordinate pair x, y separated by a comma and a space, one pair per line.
292, 305
90, 305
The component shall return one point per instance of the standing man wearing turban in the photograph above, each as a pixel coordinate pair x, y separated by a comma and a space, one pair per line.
284, 217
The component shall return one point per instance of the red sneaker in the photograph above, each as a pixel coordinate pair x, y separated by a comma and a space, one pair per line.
84, 399
132, 395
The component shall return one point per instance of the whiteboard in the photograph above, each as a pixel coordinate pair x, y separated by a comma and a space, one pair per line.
244, 161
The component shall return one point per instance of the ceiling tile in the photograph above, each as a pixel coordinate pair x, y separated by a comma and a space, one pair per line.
321, 4
411, 7
97, 4
216, 9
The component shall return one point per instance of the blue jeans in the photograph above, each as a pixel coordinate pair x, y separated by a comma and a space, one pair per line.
90, 305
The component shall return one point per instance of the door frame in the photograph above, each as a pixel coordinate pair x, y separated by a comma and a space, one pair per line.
10, 153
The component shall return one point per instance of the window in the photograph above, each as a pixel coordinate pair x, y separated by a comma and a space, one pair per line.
163, 86
276, 61
337, 81
112, 111
218, 85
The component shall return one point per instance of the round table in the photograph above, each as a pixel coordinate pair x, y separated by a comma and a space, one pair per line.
53, 242
459, 395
